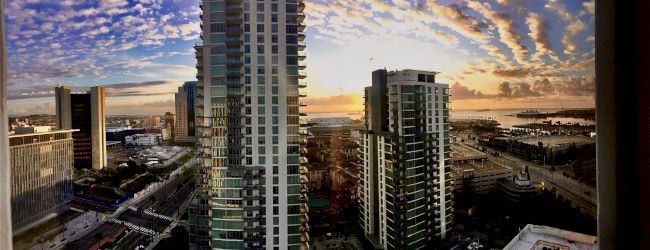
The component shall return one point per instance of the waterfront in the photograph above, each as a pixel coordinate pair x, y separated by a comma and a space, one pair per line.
508, 119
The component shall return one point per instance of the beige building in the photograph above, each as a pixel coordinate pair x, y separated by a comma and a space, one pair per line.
89, 112
478, 176
42, 168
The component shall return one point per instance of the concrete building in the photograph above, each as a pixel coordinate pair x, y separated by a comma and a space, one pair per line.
5, 173
249, 71
544, 237
405, 185
32, 129
151, 122
479, 177
143, 139
169, 126
89, 112
185, 109
42, 168
325, 121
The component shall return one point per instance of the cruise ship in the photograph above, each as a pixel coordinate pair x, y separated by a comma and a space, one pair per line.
531, 113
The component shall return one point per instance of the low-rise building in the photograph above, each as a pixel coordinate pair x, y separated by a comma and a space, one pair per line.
479, 177
544, 237
146, 140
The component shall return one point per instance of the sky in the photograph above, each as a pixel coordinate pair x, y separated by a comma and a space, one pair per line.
493, 54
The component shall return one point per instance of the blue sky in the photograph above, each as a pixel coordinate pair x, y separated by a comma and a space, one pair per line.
501, 54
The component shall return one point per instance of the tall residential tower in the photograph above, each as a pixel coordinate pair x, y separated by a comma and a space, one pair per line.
405, 187
87, 113
249, 72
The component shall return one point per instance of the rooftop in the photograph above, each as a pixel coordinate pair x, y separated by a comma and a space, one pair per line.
536, 237
555, 140
465, 153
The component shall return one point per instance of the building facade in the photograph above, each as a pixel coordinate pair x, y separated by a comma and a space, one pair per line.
405, 185
89, 113
249, 72
42, 168
185, 109
169, 126
143, 140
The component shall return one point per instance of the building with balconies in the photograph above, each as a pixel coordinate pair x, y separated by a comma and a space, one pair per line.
405, 185
250, 184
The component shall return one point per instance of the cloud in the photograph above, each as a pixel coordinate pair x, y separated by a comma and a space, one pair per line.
573, 27
506, 27
539, 29
577, 86
460, 92
340, 103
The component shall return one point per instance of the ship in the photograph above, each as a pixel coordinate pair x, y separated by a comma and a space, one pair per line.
482, 110
531, 113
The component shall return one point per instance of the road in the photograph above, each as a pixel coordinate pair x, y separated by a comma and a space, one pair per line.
164, 192
539, 172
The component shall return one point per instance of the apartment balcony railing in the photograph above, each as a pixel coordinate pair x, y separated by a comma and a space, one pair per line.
301, 7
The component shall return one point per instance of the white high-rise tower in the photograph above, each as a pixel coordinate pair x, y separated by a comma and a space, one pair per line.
249, 65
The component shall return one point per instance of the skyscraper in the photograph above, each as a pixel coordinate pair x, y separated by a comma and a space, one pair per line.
248, 189
87, 113
405, 186
42, 167
185, 110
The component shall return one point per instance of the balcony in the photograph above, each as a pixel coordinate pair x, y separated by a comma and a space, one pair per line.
234, 20
302, 114
301, 36
234, 62
302, 55
302, 104
234, 52
301, 7
300, 17
302, 76
234, 41
302, 85
234, 30
302, 94
301, 27
302, 65
302, 46
234, 8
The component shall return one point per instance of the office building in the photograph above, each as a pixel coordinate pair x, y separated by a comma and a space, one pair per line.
87, 113
249, 187
151, 122
169, 126
405, 185
42, 168
185, 109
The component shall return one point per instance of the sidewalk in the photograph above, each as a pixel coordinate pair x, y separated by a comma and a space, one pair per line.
73, 229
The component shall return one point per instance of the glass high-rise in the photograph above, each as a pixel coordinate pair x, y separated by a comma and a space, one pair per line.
405, 187
247, 121
184, 100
